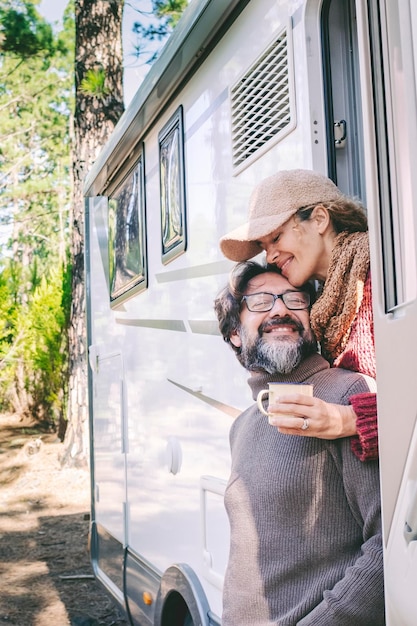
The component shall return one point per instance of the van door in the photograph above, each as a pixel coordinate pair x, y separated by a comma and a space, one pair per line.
393, 29
375, 159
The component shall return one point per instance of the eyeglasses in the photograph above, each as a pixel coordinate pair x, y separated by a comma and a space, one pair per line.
263, 301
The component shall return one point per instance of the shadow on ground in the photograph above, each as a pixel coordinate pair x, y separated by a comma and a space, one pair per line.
45, 570
47, 577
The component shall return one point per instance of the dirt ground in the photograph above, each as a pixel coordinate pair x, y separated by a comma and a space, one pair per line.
45, 573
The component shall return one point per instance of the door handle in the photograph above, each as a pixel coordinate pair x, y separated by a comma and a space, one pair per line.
339, 131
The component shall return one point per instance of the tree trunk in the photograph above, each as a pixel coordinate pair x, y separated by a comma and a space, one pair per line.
98, 48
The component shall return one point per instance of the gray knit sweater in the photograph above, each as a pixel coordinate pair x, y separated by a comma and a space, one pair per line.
306, 545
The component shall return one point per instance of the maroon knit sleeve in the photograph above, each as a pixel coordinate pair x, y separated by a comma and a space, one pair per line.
365, 444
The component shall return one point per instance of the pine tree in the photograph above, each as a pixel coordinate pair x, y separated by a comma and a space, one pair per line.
98, 107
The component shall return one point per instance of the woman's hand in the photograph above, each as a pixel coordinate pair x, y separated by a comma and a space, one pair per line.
297, 414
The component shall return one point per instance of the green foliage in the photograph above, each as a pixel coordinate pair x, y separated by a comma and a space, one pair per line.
35, 103
7, 313
22, 34
33, 343
45, 345
167, 13
169, 10
33, 351
36, 98
93, 83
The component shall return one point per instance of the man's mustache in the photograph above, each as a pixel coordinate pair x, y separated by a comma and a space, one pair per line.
280, 321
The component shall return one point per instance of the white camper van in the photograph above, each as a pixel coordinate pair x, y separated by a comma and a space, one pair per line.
243, 89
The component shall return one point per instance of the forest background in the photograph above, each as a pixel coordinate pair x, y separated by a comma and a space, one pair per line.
61, 95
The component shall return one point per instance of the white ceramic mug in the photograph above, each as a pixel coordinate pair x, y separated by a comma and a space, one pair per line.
275, 390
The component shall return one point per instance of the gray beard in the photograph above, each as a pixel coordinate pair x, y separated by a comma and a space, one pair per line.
280, 356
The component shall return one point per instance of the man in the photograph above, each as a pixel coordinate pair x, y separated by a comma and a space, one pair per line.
306, 545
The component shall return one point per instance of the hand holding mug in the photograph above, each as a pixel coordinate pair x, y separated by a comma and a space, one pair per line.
275, 390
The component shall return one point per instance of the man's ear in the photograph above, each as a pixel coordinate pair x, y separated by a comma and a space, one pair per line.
322, 218
235, 339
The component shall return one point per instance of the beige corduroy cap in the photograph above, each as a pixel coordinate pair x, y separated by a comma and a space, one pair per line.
272, 203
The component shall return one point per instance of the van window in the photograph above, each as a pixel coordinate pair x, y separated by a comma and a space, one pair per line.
172, 185
127, 250
394, 78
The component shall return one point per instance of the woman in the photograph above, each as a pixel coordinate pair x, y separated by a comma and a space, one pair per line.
312, 232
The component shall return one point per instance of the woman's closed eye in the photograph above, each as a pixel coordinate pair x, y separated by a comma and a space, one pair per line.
269, 241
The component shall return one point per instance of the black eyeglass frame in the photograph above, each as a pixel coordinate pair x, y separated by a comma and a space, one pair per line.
277, 296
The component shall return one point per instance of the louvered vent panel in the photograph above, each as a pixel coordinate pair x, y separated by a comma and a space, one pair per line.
260, 101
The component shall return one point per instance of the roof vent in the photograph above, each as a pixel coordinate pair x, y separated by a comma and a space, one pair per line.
261, 102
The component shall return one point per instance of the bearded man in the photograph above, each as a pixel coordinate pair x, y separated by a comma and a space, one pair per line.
305, 520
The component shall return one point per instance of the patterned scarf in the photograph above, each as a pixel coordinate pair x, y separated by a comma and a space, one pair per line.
333, 313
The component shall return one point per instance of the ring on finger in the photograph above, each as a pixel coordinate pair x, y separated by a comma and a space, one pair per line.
305, 424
